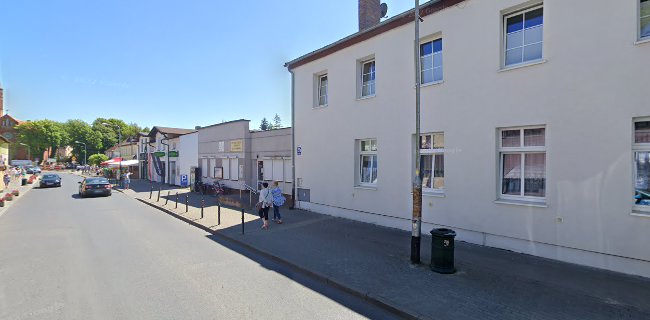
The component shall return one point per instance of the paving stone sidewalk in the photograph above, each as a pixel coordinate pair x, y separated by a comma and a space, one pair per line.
373, 262
15, 185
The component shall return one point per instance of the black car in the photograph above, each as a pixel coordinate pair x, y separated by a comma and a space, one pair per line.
50, 180
95, 186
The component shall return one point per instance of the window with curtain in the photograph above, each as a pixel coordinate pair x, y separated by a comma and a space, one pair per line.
431, 61
368, 78
641, 149
522, 154
524, 34
432, 161
368, 162
644, 19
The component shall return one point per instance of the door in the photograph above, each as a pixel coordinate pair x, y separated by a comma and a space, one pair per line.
260, 174
172, 167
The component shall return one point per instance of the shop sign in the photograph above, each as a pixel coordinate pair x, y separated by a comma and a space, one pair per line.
236, 146
173, 154
159, 154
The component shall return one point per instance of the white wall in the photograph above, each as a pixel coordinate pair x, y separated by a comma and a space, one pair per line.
592, 85
188, 154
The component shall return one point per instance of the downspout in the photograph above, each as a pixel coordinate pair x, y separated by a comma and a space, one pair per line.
293, 140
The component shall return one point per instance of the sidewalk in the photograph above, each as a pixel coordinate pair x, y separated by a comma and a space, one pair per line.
16, 185
373, 262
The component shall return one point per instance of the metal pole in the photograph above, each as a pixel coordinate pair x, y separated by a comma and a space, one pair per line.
119, 149
158, 194
293, 141
417, 184
202, 206
176, 201
186, 205
242, 221
218, 214
151, 191
167, 200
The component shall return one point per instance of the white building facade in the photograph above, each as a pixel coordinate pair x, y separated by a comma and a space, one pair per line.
535, 124
188, 154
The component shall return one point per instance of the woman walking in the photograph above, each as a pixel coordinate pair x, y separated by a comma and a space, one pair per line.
278, 201
264, 204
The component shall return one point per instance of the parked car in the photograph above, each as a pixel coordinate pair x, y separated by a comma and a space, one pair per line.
94, 186
37, 169
29, 170
50, 180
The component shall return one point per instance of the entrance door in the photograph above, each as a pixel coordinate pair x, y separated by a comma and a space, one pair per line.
172, 167
260, 174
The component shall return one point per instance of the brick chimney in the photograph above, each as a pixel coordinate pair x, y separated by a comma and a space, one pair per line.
2, 103
369, 13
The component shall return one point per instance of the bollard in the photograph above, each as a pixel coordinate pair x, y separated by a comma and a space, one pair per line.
151, 191
242, 221
176, 201
167, 200
218, 214
158, 194
202, 206
186, 201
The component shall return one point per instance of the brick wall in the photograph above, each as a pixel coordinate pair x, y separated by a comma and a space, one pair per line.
369, 13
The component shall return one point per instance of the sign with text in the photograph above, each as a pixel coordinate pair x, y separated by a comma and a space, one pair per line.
173, 154
184, 182
236, 146
299, 150
159, 154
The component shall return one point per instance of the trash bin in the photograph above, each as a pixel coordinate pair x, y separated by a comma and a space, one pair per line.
23, 182
442, 250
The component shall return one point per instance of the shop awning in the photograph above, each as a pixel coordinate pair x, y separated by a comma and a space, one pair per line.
114, 160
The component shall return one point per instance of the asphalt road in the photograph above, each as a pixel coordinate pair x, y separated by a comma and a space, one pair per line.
63, 257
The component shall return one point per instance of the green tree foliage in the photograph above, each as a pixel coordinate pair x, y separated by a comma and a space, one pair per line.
277, 123
96, 159
42, 134
81, 131
265, 125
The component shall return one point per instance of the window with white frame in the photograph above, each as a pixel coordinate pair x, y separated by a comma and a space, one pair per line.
432, 161
522, 154
644, 19
641, 148
431, 61
524, 36
368, 78
367, 162
322, 90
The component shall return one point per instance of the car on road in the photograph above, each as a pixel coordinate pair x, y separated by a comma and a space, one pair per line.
50, 180
94, 186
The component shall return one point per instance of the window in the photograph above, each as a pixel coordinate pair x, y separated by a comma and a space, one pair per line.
641, 148
432, 161
368, 162
431, 61
524, 36
234, 169
368, 78
322, 90
225, 163
644, 22
522, 153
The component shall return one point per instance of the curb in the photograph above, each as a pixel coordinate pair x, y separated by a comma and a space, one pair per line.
6, 208
366, 296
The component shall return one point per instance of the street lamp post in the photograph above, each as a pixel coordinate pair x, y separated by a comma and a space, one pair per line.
417, 180
29, 151
119, 149
78, 142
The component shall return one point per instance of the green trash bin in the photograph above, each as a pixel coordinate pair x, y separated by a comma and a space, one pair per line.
442, 250
23, 182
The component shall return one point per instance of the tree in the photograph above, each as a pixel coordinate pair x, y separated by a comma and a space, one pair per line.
97, 159
109, 133
265, 125
41, 134
277, 123
81, 131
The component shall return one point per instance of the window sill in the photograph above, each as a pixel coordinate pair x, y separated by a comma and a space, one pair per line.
429, 84
642, 41
319, 107
523, 65
365, 97
365, 188
525, 203
434, 194
641, 211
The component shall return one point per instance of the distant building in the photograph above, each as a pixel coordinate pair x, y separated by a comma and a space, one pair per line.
8, 131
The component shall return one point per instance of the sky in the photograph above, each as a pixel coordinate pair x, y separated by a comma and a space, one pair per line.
158, 62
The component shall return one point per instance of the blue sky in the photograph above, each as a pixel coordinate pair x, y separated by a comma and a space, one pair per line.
159, 62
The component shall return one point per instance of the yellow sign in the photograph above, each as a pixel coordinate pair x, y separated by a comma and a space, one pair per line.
73, 158
236, 146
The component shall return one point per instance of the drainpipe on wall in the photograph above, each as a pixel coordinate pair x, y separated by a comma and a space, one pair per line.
293, 140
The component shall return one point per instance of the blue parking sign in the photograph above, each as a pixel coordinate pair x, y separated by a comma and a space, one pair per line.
184, 180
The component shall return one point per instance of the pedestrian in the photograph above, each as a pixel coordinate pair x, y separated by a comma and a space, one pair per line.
7, 179
278, 201
264, 204
16, 173
127, 179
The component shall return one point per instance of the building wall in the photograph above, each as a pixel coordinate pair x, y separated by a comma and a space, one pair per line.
188, 155
211, 139
591, 86
273, 149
